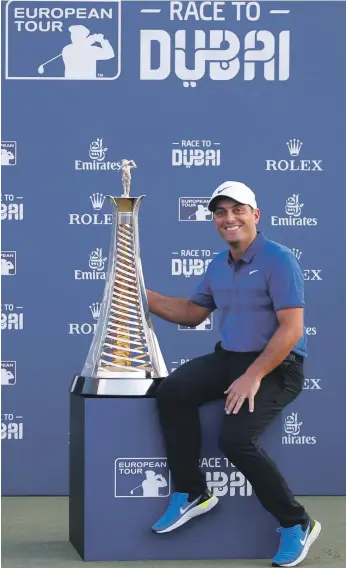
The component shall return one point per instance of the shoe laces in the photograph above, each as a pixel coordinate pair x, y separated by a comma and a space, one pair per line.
177, 498
287, 536
289, 531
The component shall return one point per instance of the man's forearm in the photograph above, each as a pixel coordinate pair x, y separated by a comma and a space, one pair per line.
279, 346
175, 310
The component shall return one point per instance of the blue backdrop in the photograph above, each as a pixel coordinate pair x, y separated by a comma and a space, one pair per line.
195, 93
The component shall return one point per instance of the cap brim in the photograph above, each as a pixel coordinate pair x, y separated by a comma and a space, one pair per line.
214, 200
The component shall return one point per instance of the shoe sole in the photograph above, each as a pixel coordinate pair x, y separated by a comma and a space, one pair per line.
310, 540
194, 512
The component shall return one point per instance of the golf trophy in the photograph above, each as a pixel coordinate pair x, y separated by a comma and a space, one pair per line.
124, 358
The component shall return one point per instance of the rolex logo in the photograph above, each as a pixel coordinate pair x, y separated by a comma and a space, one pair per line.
294, 146
97, 201
95, 309
297, 253
294, 164
87, 328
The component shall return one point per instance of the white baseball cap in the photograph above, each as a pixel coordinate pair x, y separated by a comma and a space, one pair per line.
235, 190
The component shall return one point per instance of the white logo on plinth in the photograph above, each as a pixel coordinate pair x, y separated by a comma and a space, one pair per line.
141, 477
223, 479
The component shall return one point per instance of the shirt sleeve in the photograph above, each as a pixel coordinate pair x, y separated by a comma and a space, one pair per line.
202, 295
286, 282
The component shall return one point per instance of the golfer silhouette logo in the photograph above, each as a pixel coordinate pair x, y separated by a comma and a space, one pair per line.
151, 485
7, 377
204, 325
7, 267
6, 157
201, 214
80, 57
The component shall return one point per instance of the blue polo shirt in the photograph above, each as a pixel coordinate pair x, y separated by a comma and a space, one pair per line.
247, 293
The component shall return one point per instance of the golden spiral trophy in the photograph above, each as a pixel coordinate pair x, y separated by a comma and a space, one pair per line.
124, 358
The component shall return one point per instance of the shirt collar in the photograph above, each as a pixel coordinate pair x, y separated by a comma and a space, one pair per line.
252, 249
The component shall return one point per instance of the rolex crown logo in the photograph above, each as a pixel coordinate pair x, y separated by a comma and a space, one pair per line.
297, 253
97, 200
294, 146
95, 309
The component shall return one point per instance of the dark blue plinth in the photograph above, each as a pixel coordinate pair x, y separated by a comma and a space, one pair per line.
113, 442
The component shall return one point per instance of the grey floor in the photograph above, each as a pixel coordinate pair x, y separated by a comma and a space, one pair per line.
35, 534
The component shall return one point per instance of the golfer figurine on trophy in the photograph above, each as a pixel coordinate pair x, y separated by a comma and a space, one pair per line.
126, 176
124, 358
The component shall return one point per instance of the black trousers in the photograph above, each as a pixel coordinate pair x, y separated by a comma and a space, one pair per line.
204, 379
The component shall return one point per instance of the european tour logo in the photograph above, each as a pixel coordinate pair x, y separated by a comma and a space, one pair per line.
66, 40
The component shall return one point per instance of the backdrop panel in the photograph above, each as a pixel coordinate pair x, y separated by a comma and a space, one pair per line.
196, 93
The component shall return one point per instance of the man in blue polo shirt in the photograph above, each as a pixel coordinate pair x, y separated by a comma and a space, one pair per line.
257, 286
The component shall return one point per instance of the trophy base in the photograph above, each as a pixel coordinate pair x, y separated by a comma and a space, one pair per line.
113, 387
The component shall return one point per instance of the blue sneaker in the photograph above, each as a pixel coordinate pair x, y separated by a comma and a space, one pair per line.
180, 510
295, 543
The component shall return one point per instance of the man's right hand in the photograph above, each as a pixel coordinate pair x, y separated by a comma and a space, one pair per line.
176, 310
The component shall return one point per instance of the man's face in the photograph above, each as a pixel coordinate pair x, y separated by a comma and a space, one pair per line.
235, 222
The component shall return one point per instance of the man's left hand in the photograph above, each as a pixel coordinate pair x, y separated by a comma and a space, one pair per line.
241, 389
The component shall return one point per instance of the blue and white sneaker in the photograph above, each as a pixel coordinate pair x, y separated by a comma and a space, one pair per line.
295, 543
180, 510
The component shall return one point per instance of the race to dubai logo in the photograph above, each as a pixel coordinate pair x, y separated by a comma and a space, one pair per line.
220, 54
